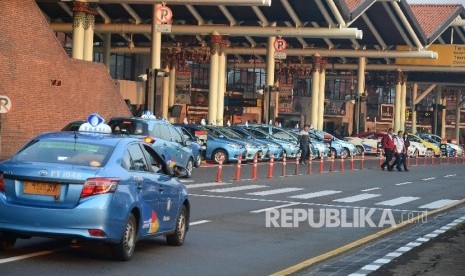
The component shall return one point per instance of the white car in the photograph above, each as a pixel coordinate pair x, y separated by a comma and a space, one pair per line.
369, 145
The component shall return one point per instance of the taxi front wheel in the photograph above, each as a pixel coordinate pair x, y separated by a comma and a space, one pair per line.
179, 234
7, 243
124, 250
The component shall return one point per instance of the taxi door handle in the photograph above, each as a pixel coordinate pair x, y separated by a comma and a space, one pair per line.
140, 186
161, 189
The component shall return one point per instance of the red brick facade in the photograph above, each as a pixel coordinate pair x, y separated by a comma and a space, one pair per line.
46, 87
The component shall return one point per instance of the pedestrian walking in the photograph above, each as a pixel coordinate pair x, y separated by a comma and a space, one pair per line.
388, 147
304, 144
400, 153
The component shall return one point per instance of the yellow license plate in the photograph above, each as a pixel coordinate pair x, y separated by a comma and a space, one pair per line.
42, 188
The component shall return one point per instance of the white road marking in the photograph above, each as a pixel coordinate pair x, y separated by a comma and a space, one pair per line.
186, 180
450, 175
356, 198
427, 179
370, 267
272, 208
235, 189
208, 184
31, 255
370, 189
276, 191
403, 183
398, 201
198, 222
316, 194
304, 203
438, 204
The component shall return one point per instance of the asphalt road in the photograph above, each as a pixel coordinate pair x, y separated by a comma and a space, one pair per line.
229, 233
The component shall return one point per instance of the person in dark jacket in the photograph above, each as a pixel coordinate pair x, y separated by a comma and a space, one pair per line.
304, 144
389, 147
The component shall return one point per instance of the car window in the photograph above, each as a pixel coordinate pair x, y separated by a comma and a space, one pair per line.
155, 161
128, 126
175, 134
65, 152
136, 157
164, 132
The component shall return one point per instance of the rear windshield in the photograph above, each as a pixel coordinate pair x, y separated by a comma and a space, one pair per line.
131, 127
64, 152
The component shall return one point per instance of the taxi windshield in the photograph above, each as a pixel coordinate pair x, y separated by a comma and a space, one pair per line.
65, 152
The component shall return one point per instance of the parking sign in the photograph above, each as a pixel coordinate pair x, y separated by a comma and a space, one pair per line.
5, 104
163, 14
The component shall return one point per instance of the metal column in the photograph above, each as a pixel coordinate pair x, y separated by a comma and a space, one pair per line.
172, 88
213, 83
443, 116
221, 86
321, 96
166, 94
89, 35
414, 110
397, 104
269, 77
79, 18
155, 51
360, 91
315, 89
403, 101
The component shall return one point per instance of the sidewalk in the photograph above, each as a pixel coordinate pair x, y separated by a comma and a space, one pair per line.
443, 255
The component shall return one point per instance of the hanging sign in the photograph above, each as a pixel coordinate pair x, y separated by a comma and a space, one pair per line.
163, 16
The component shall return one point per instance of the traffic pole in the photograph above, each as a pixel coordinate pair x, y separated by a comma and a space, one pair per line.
270, 168
322, 159
309, 168
352, 162
440, 160
424, 160
432, 159
283, 174
220, 171
362, 163
416, 159
238, 168
254, 171
448, 161
456, 158
408, 159
331, 164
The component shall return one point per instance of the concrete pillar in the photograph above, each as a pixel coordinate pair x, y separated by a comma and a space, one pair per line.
397, 104
315, 90
107, 50
437, 102
270, 66
443, 116
360, 91
321, 96
403, 101
414, 112
166, 94
89, 35
221, 85
79, 18
458, 99
213, 83
155, 54
172, 88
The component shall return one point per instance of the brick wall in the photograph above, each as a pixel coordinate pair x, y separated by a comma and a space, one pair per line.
30, 58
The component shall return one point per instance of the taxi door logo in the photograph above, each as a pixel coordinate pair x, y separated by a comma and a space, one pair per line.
154, 225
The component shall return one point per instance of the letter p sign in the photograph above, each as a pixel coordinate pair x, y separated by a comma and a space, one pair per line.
280, 44
163, 15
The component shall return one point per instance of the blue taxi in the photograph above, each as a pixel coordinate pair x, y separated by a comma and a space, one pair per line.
91, 186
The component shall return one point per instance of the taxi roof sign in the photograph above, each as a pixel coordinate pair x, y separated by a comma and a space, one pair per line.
96, 124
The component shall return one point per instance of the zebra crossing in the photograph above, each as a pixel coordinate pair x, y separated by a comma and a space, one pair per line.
302, 194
